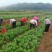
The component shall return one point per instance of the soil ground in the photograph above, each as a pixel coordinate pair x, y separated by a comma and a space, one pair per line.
46, 42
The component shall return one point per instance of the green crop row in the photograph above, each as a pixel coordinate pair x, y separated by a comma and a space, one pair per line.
26, 42
10, 34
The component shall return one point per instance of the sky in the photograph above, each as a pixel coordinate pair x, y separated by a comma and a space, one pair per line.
10, 2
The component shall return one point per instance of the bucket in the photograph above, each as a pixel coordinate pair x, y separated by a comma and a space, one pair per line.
3, 30
4, 22
49, 29
38, 24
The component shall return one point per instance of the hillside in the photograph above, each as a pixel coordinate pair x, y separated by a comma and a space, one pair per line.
29, 6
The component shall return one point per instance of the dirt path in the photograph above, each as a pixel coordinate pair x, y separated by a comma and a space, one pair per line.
46, 42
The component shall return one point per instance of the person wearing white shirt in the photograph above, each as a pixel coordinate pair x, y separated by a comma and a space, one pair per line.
13, 23
47, 23
33, 23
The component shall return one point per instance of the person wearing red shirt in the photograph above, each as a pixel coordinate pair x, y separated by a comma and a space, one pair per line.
23, 21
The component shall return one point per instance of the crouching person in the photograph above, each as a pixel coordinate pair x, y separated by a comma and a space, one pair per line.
33, 23
23, 21
47, 23
13, 23
35, 18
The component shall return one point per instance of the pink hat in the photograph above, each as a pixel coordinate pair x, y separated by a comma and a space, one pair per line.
35, 18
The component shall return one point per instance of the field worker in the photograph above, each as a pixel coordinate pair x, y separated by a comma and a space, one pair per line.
33, 23
1, 20
47, 23
35, 18
23, 21
13, 23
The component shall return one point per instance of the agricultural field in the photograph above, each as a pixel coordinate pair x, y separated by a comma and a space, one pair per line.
22, 38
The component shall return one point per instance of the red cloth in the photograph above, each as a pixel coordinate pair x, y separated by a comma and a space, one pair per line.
24, 19
3, 30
